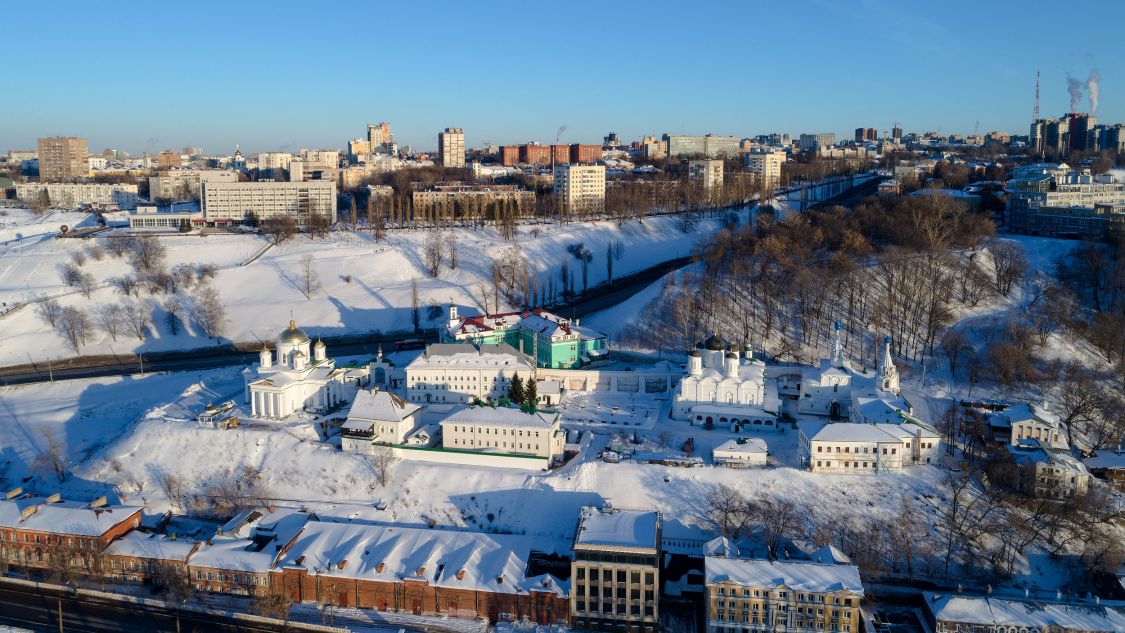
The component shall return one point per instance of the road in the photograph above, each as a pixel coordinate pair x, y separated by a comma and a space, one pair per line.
351, 345
38, 610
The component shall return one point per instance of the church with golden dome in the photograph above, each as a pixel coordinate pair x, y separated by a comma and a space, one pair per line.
298, 376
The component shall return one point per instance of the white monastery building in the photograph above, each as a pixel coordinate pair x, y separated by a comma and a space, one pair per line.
462, 373
377, 417
721, 387
295, 379
504, 430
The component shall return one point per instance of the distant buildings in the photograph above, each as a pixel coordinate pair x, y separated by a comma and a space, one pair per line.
451, 147
766, 166
63, 158
183, 184
615, 575
379, 135
167, 159
866, 134
75, 195
710, 146
460, 201
534, 154
1058, 201
707, 172
274, 160
813, 142
580, 189
227, 203
781, 596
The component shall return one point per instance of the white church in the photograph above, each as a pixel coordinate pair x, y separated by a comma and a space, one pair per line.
722, 387
297, 379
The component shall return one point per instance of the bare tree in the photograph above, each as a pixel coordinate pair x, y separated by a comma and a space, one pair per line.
431, 253
382, 463
74, 326
1009, 264
148, 254
728, 510
136, 317
49, 310
70, 274
451, 250
206, 309
173, 314
109, 317
953, 345
310, 280
776, 518
126, 285
1079, 397
279, 229
52, 456
415, 315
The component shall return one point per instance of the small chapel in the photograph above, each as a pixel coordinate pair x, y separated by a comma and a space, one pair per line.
300, 377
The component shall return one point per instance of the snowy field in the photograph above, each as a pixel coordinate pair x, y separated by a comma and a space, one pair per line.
366, 286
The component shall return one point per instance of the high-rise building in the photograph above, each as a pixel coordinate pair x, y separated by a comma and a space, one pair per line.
708, 172
580, 189
379, 134
451, 147
813, 142
611, 140
232, 202
192, 151
63, 158
711, 146
509, 155
766, 166
274, 160
865, 134
167, 159
896, 134
1080, 125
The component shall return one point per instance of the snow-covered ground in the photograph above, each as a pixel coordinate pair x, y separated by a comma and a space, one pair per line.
366, 285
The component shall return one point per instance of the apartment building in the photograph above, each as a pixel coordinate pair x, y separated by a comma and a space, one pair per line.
75, 195
451, 147
227, 203
532, 153
766, 166
464, 373
457, 200
379, 134
813, 142
708, 172
751, 595
1057, 200
503, 430
615, 575
274, 160
63, 158
168, 159
580, 189
181, 184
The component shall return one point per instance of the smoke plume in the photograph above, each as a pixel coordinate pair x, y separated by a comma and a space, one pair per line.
1092, 89
1074, 87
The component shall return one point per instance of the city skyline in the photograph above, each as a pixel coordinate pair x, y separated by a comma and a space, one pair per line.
802, 67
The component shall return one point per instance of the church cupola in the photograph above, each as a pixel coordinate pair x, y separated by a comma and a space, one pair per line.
299, 360
695, 363
319, 351
265, 359
887, 376
454, 320
748, 354
837, 345
731, 361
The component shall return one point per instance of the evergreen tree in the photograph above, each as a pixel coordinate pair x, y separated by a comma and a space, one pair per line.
515, 391
530, 395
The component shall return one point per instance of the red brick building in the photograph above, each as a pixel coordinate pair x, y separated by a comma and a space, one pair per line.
34, 530
532, 154
509, 155
421, 571
585, 153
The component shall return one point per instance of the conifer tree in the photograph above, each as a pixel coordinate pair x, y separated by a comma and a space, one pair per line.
515, 390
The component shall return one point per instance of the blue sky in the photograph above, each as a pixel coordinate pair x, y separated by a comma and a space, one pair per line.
272, 75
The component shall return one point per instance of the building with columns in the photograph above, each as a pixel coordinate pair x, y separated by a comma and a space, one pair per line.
300, 377
723, 387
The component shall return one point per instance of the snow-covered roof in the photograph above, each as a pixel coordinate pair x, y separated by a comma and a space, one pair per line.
881, 406
253, 543
153, 546
796, 575
62, 517
738, 410
502, 417
378, 406
598, 527
753, 445
857, 432
454, 560
989, 611
1023, 412
468, 356
1031, 450
1106, 458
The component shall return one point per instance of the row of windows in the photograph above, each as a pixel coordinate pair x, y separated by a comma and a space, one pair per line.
608, 608
45, 539
496, 444
847, 449
783, 595
611, 575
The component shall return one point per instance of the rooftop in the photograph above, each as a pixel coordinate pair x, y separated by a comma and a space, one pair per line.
989, 611
797, 575
502, 416
62, 517
618, 528
378, 405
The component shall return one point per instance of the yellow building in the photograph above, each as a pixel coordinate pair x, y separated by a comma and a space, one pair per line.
756, 596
